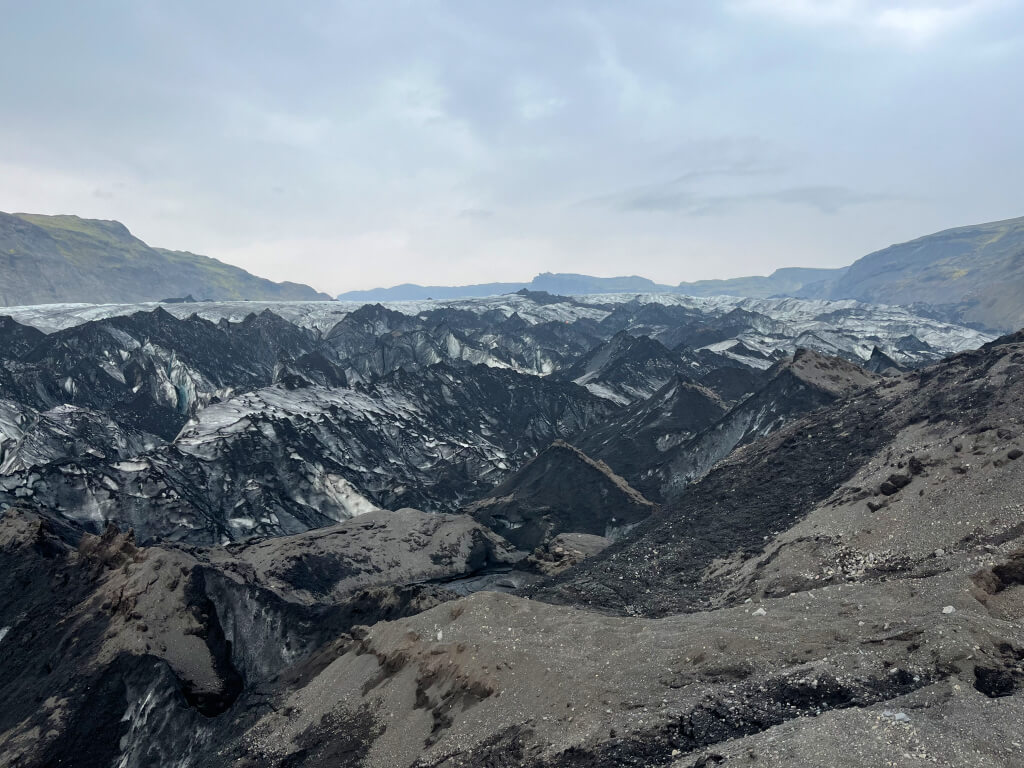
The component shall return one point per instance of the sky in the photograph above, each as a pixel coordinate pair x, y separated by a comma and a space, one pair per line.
350, 145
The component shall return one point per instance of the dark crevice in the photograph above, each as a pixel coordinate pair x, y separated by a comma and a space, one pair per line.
211, 703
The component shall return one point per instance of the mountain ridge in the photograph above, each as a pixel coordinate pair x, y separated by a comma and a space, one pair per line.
972, 274
559, 283
65, 258
976, 272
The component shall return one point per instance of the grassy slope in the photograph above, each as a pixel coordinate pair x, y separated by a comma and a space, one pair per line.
66, 258
979, 267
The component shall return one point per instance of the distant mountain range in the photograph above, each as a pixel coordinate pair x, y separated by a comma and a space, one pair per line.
57, 259
789, 281
795, 281
972, 274
801, 282
561, 284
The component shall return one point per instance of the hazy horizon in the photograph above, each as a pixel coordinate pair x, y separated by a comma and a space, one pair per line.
353, 147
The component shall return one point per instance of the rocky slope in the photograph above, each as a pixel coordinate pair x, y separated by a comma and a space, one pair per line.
561, 490
663, 444
638, 438
837, 560
905, 449
795, 386
814, 617
626, 368
49, 259
156, 648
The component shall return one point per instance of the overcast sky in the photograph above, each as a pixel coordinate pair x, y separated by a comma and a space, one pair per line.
356, 144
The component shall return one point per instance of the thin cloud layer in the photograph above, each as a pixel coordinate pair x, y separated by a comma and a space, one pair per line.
915, 21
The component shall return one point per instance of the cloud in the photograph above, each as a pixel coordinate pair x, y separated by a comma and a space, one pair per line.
915, 21
352, 144
244, 120
729, 160
826, 199
670, 198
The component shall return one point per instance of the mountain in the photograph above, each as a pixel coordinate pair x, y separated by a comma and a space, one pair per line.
795, 386
625, 368
637, 438
972, 274
413, 292
975, 273
59, 259
566, 284
788, 281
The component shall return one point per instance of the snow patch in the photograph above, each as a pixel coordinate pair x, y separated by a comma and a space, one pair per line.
130, 466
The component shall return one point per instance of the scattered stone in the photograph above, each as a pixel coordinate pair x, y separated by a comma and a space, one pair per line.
897, 717
900, 479
564, 551
894, 483
949, 609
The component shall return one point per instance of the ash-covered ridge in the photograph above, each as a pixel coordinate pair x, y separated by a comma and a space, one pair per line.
186, 427
626, 368
847, 328
282, 460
